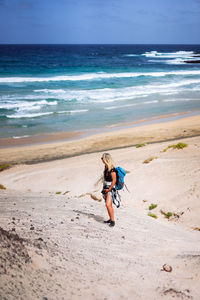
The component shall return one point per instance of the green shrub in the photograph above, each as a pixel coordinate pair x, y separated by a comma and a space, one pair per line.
140, 145
168, 214
58, 193
4, 167
152, 206
152, 215
177, 146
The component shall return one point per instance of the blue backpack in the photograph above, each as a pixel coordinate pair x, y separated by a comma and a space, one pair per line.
120, 178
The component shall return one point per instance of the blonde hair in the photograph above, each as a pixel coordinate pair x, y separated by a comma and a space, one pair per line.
108, 161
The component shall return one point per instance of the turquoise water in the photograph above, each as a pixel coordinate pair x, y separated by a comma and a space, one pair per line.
54, 88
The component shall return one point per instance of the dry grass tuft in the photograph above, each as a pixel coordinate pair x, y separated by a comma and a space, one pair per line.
196, 228
4, 167
146, 161
2, 187
91, 195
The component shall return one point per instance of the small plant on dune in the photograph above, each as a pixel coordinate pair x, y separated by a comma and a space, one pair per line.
66, 192
196, 228
152, 215
58, 193
4, 167
141, 145
152, 206
177, 146
180, 146
2, 187
146, 161
169, 214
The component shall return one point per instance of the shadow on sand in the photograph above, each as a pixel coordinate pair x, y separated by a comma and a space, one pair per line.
89, 215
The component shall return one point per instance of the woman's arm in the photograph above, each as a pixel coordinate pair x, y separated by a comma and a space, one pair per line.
114, 179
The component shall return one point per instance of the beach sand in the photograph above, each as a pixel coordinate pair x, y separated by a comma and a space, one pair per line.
160, 131
54, 244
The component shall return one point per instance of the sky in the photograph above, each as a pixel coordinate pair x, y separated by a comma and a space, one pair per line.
100, 21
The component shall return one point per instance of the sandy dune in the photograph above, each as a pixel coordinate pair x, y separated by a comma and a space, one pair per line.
63, 250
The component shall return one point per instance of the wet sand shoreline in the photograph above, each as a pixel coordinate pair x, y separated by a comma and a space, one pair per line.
65, 136
186, 126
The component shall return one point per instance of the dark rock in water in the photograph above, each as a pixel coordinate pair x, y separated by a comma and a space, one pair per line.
192, 61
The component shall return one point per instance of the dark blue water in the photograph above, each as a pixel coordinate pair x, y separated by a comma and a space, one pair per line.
52, 88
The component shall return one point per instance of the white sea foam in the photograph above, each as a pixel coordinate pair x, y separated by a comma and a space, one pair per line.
178, 54
178, 61
106, 95
130, 55
94, 76
19, 137
119, 94
120, 106
34, 115
51, 91
73, 111
20, 114
24, 105
173, 58
31, 109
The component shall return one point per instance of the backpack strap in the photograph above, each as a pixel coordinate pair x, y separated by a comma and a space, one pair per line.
126, 187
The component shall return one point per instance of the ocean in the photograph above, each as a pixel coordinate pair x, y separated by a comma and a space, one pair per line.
62, 88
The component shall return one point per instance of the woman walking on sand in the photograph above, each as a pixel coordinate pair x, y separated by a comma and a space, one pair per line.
110, 178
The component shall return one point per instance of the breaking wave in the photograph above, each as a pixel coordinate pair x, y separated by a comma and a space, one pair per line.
94, 76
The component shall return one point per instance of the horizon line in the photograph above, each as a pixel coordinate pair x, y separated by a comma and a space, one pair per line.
99, 44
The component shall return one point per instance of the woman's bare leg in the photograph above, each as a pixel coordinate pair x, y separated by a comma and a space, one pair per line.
109, 207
